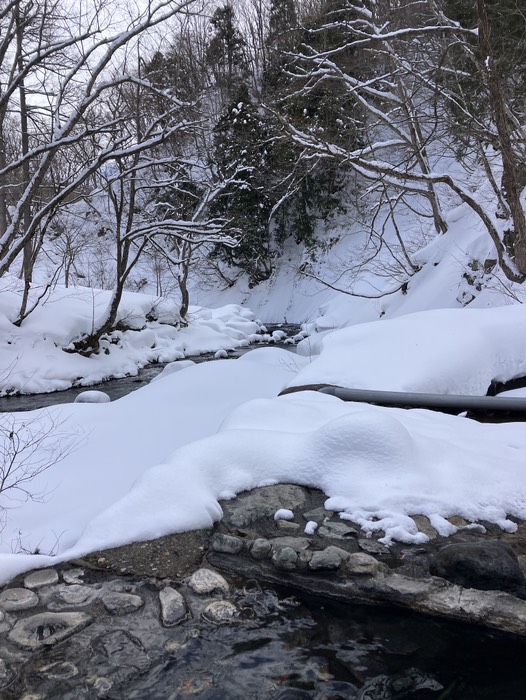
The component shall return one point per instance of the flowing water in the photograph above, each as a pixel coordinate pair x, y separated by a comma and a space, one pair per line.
311, 650
117, 388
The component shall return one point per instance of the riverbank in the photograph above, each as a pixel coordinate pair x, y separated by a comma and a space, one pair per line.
113, 623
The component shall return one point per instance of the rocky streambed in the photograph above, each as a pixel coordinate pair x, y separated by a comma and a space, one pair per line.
271, 608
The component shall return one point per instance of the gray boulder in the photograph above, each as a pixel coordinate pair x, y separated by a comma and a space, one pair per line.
487, 566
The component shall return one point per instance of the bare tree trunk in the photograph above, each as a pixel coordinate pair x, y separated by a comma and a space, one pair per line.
513, 175
28, 260
3, 163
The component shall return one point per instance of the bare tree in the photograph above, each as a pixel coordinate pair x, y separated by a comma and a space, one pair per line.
399, 85
75, 56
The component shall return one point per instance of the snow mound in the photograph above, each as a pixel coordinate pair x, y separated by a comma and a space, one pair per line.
445, 351
92, 397
378, 466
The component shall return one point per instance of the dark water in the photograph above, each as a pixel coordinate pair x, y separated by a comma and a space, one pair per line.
117, 388
309, 649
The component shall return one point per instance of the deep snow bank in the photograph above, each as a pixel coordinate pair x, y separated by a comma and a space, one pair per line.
447, 351
33, 359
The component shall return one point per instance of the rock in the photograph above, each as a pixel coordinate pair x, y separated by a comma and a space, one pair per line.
73, 575
119, 656
337, 530
92, 397
228, 544
328, 559
263, 502
457, 521
220, 612
12, 599
425, 526
285, 558
287, 526
295, 543
76, 594
260, 548
205, 581
372, 547
47, 628
42, 577
101, 685
173, 607
319, 515
488, 566
361, 564
122, 603
59, 670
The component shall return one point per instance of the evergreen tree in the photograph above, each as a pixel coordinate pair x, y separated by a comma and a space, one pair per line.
226, 52
241, 142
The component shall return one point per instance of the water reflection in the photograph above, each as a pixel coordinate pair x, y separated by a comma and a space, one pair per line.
294, 650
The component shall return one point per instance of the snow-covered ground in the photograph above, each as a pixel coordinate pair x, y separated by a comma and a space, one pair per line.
158, 460
33, 358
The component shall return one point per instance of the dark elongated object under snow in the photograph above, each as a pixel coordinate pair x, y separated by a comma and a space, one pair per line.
441, 402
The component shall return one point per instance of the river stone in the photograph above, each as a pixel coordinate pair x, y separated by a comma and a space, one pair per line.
220, 612
76, 594
47, 628
372, 547
101, 685
73, 575
328, 559
319, 515
173, 607
295, 543
122, 603
12, 599
361, 564
287, 526
59, 669
262, 502
260, 548
228, 544
285, 558
42, 577
488, 566
424, 525
337, 530
205, 581
6, 673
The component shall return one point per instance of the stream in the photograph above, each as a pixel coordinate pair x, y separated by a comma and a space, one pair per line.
117, 388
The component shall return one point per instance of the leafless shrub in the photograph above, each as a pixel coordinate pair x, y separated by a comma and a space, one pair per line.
29, 446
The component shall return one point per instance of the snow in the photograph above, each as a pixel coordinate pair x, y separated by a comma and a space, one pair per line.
92, 397
33, 356
444, 351
311, 527
159, 460
283, 514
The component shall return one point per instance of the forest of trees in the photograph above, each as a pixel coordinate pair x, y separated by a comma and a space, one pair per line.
212, 133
